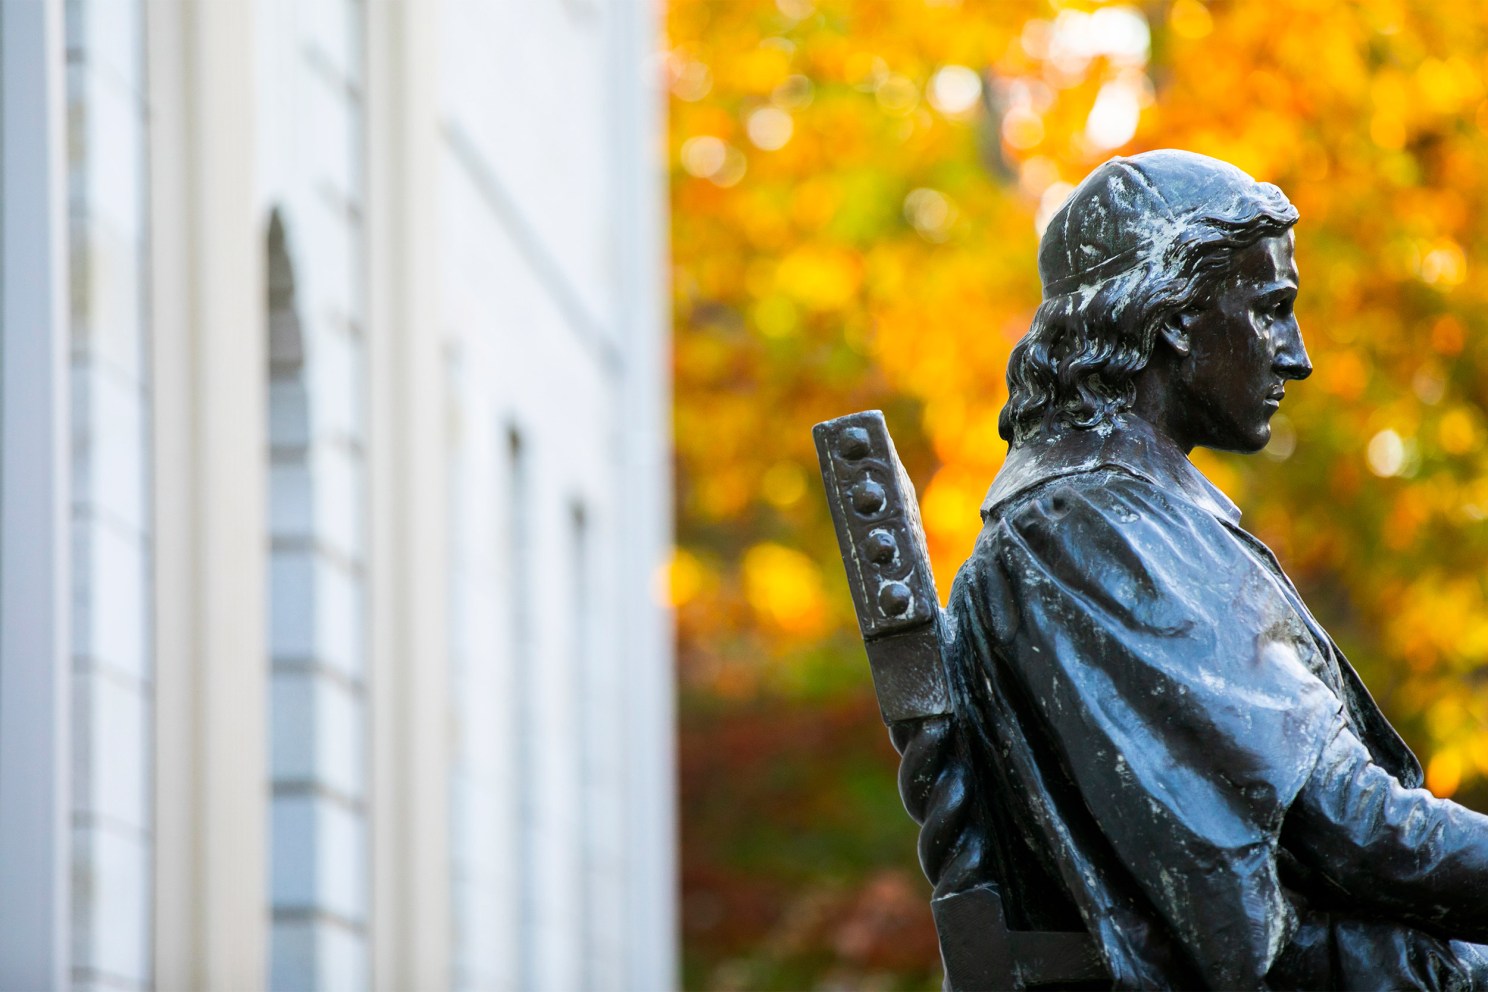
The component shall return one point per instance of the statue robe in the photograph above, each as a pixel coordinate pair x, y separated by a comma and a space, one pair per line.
1178, 757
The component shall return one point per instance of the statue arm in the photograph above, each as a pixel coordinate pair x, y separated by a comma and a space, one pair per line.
1399, 852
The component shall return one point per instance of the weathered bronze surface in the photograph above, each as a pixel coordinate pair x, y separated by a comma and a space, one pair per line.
1137, 758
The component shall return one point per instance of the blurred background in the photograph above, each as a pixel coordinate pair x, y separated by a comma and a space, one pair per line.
857, 191
334, 495
413, 567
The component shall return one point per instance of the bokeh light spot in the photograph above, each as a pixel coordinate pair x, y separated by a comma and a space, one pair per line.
691, 81
684, 578
1457, 431
1429, 384
770, 128
704, 155
1113, 120
1448, 335
784, 587
897, 95
783, 484
1022, 128
795, 93
1190, 19
1121, 34
733, 168
1443, 264
930, 213
1444, 774
954, 90
1386, 454
776, 317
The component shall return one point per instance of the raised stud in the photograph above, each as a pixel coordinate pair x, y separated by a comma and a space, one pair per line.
881, 547
868, 497
895, 599
855, 443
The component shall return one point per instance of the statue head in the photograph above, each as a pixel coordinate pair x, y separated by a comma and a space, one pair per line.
1136, 256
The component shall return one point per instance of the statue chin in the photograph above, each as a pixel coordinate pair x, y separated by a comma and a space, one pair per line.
1248, 445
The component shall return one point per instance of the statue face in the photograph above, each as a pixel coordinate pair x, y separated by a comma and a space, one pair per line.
1244, 346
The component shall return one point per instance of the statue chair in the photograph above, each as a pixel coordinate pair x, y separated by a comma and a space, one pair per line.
878, 527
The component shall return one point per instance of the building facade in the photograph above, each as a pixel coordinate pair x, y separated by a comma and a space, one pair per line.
334, 481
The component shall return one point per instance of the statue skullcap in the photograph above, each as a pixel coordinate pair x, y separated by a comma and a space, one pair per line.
1132, 209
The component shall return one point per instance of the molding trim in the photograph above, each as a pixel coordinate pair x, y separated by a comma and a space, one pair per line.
35, 512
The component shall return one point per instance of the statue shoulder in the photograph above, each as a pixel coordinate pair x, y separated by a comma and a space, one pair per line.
1145, 554
1111, 495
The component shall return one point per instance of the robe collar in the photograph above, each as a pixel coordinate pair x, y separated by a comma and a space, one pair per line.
1128, 443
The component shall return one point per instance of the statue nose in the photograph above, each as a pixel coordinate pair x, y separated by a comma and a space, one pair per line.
1290, 366
1291, 360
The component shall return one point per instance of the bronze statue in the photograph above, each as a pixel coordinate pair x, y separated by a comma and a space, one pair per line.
1139, 740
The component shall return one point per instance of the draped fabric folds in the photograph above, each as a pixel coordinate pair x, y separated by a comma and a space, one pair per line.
1149, 698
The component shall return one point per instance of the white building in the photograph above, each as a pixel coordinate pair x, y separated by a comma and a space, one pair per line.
333, 489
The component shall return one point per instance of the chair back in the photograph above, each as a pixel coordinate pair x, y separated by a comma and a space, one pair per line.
877, 519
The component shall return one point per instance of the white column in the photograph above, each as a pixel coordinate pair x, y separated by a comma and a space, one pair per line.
34, 493
645, 513
112, 668
312, 87
411, 934
210, 482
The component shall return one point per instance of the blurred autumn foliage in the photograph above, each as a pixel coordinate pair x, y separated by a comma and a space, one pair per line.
856, 188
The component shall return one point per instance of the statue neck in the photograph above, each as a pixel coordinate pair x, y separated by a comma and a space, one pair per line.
1158, 401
